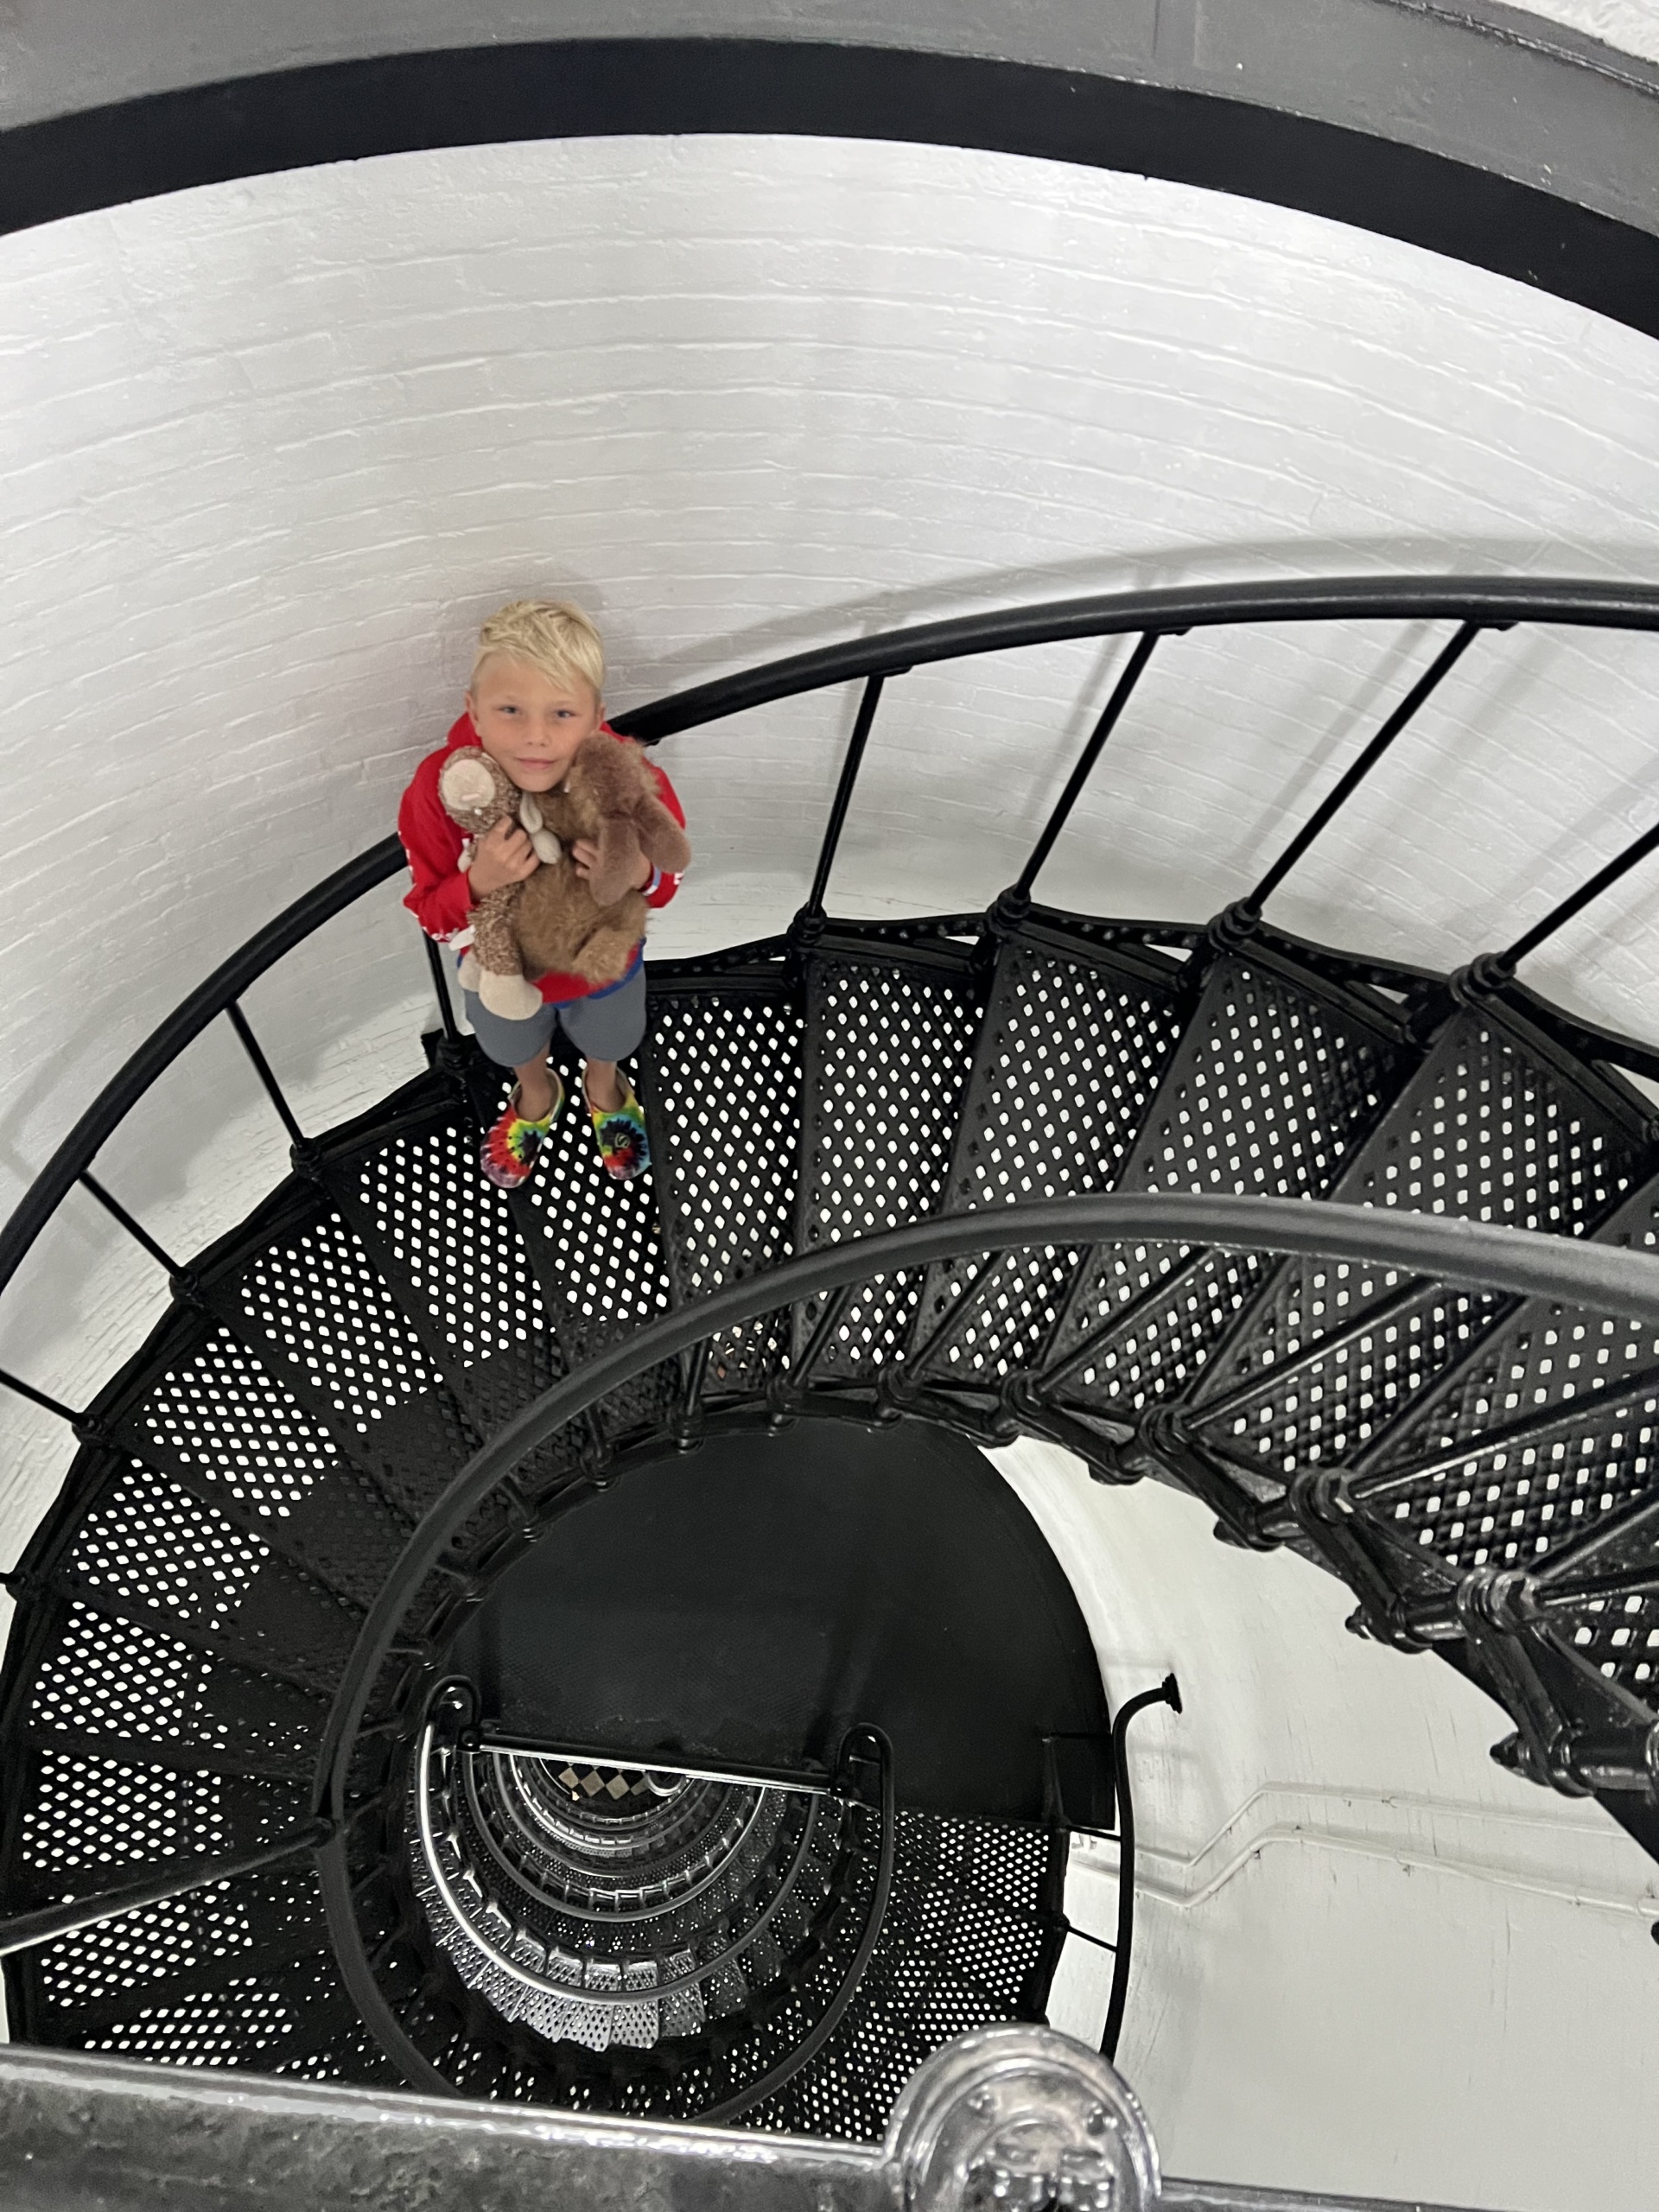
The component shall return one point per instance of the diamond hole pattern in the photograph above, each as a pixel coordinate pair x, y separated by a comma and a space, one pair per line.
245, 2022
1490, 1132
1548, 1426
222, 1418
1509, 1503
1329, 1406
318, 1298
1485, 1131
959, 1949
1069, 1059
1540, 1359
1272, 1083
449, 1229
154, 1543
101, 1812
151, 1945
892, 1049
724, 1083
112, 1678
601, 1239
1620, 1637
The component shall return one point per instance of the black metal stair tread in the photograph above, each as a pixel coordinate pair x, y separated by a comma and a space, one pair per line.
184, 1756
1075, 1039
723, 1093
1277, 1075
100, 1676
1542, 1436
1450, 1141
889, 1047
229, 1580
254, 1924
97, 1816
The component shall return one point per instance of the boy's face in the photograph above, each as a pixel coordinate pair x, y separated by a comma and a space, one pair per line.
529, 722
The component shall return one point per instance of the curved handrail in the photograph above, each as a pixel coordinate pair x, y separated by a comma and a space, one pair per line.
1523, 1263
210, 998
1493, 602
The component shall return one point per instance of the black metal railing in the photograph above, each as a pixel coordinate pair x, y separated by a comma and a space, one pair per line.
1476, 603
1522, 1263
1416, 1245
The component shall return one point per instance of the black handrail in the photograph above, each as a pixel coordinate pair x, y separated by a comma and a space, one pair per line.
23, 1930
1481, 1255
1523, 1262
1477, 601
1490, 601
1168, 1693
183, 1025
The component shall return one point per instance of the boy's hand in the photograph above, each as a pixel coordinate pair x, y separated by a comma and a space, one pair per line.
504, 855
585, 854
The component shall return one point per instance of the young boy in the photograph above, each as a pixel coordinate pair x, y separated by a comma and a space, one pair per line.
536, 693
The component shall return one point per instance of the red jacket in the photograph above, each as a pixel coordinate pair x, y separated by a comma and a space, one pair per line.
441, 900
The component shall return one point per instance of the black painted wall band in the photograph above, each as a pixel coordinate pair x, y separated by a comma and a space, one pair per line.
583, 88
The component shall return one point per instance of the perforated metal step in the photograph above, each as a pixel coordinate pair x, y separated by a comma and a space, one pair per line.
1277, 1075
1491, 1127
254, 1474
889, 1047
1075, 1041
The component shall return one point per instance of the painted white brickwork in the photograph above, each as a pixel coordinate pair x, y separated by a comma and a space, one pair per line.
269, 451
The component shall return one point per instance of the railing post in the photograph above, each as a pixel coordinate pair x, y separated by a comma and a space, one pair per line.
140, 1235
1168, 1693
1012, 904
1243, 915
262, 1068
1602, 880
441, 991
808, 924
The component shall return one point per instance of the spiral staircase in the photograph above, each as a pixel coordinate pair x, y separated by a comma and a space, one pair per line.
1357, 1254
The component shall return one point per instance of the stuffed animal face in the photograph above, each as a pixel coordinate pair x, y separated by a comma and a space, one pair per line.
475, 792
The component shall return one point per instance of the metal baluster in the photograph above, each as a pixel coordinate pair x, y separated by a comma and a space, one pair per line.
76, 1421
1248, 910
809, 922
262, 1069
1508, 962
440, 986
1014, 904
1168, 1693
141, 1236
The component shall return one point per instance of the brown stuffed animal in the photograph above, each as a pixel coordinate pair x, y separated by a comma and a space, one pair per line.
554, 919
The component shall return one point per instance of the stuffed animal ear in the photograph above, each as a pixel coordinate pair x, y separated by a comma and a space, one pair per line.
465, 784
664, 843
545, 846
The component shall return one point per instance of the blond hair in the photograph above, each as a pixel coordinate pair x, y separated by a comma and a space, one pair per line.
550, 634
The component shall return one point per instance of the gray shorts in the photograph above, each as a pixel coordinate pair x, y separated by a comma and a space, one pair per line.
607, 1026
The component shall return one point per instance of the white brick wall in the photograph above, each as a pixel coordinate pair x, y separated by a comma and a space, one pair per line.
267, 451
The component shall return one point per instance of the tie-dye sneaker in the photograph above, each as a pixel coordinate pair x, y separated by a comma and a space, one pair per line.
509, 1147
621, 1133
